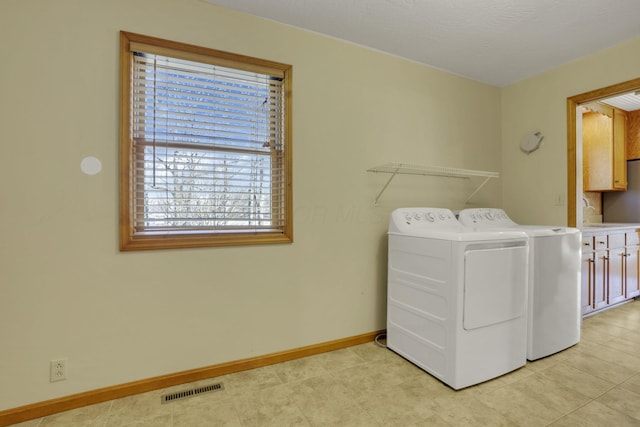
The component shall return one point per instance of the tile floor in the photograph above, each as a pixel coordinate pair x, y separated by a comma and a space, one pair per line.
596, 383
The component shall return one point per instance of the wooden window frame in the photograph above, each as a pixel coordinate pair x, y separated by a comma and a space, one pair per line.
130, 239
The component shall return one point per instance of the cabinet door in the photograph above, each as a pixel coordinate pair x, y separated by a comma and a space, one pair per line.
588, 282
597, 153
632, 274
615, 290
601, 279
617, 257
604, 157
632, 136
619, 150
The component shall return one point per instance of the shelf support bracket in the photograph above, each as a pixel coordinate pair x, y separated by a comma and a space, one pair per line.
477, 189
385, 186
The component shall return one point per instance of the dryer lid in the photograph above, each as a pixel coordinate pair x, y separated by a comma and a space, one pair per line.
440, 223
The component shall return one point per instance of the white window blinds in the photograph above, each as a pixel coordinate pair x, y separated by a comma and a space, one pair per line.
208, 147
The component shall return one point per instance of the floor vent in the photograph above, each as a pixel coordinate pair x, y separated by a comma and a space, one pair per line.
170, 397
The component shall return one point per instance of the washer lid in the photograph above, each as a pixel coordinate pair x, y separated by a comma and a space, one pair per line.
546, 230
497, 219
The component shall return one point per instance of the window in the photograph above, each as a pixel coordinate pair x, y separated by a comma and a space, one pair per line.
205, 147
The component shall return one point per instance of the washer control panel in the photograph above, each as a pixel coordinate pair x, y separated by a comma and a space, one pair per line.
485, 217
419, 218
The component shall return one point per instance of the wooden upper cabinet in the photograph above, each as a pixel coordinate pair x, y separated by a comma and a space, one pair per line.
633, 135
619, 149
604, 148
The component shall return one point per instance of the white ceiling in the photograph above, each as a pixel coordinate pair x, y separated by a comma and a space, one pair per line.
627, 101
498, 42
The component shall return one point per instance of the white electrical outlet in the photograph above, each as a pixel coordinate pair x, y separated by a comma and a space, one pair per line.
58, 370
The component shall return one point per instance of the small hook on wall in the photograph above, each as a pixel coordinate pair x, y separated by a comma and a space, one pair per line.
531, 142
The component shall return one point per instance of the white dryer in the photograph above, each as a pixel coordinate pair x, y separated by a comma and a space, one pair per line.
456, 302
554, 280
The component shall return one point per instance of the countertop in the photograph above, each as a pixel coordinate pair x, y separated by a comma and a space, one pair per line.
608, 226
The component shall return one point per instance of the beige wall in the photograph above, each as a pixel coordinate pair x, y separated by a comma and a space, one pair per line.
66, 291
533, 183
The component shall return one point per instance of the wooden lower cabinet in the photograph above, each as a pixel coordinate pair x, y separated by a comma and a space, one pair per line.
594, 273
632, 274
632, 286
587, 276
610, 269
601, 280
617, 268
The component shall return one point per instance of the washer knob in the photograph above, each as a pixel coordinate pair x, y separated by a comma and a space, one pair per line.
430, 216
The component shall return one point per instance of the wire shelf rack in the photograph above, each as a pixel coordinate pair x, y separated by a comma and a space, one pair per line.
409, 169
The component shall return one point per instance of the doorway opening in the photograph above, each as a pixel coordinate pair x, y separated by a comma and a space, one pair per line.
574, 143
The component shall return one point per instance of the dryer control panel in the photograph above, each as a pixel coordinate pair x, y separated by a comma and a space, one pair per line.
407, 219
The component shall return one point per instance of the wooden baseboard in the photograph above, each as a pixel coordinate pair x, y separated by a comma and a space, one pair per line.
42, 409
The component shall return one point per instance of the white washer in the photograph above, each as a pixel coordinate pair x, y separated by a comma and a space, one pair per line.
456, 303
554, 280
